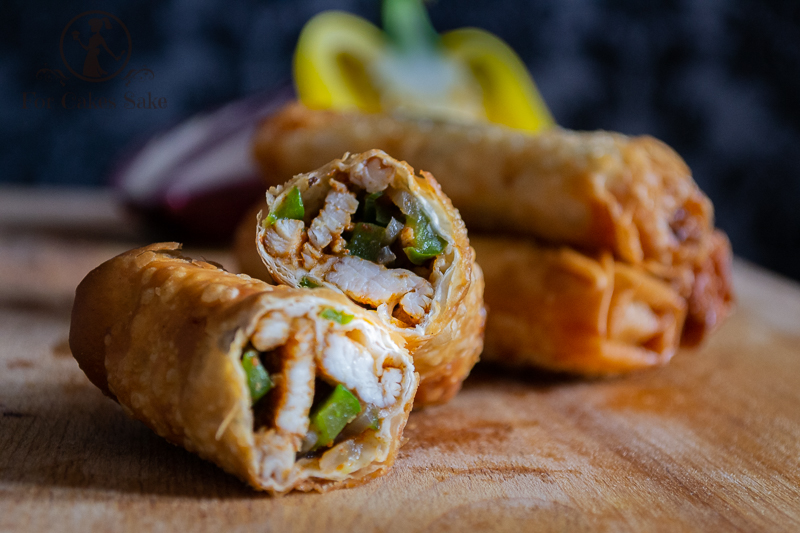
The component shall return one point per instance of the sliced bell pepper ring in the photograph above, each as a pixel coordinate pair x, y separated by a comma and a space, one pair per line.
510, 95
344, 62
330, 62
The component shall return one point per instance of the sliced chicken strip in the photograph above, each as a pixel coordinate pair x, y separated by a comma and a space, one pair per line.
334, 217
284, 237
373, 176
349, 363
270, 333
372, 284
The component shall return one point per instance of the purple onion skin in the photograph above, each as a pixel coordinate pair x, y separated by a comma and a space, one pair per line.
198, 192
207, 218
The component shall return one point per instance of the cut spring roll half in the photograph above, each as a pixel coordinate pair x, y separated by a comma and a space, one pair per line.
285, 388
555, 308
595, 190
367, 227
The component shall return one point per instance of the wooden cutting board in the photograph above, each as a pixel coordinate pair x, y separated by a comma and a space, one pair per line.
709, 443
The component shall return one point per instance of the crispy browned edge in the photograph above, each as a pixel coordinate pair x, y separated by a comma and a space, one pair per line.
441, 383
712, 298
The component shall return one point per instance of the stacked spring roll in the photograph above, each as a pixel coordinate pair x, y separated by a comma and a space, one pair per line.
392, 242
285, 388
597, 193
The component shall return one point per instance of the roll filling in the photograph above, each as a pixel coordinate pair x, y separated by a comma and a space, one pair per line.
323, 412
364, 233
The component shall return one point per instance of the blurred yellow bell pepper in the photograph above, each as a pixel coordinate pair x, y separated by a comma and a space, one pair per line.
344, 62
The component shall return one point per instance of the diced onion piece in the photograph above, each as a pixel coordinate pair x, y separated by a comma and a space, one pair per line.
393, 229
385, 256
368, 419
309, 441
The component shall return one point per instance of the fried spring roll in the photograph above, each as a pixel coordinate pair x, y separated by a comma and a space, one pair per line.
555, 308
287, 389
391, 241
595, 190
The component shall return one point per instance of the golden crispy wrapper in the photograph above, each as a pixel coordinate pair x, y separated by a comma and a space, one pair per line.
439, 313
163, 335
555, 308
596, 191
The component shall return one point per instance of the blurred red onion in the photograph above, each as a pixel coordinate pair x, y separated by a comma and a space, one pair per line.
194, 181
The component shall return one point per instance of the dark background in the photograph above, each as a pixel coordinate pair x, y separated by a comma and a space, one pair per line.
719, 80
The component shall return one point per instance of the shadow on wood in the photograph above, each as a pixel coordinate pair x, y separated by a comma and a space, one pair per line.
72, 436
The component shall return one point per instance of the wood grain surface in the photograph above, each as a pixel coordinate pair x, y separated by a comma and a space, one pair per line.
709, 443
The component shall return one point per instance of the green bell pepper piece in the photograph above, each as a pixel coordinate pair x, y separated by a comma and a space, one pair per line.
339, 317
419, 257
258, 379
290, 207
366, 241
330, 418
308, 283
426, 243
